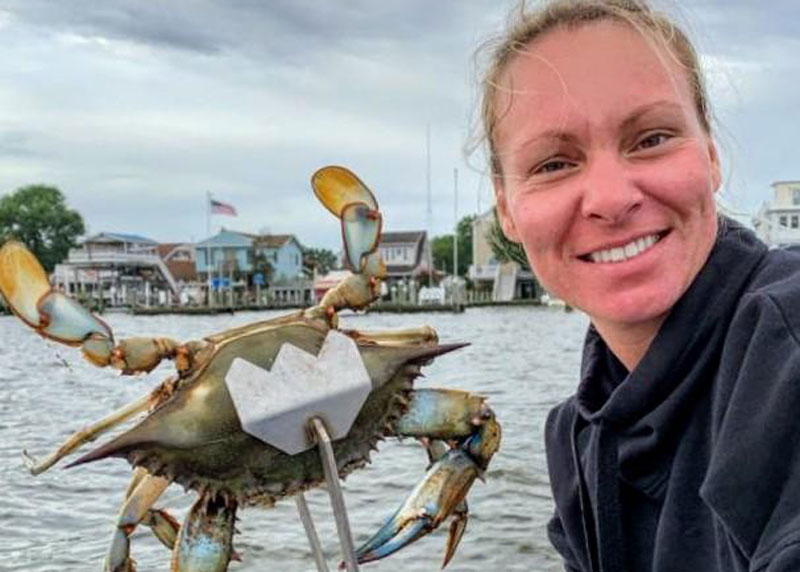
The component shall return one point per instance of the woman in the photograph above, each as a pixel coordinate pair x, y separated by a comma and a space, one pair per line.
681, 448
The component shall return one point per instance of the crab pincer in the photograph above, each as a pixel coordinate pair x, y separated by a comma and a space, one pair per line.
441, 494
24, 285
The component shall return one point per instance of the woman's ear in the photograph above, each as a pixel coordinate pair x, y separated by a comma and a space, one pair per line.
503, 214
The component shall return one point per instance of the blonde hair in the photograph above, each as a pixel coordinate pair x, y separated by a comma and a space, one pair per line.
525, 27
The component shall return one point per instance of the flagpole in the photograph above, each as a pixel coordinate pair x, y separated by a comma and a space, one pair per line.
208, 247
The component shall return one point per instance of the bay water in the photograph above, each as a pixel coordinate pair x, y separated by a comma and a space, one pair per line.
525, 360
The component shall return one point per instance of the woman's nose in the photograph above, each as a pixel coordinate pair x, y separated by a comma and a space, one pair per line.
610, 194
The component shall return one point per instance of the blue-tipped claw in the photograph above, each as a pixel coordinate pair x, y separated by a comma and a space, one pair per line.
440, 494
389, 540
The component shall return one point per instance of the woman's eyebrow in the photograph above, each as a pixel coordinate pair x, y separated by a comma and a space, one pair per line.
665, 106
554, 135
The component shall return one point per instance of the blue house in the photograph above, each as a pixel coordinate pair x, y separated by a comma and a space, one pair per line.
284, 254
237, 252
225, 252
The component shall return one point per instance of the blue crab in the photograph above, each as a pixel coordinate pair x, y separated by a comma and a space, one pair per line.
192, 434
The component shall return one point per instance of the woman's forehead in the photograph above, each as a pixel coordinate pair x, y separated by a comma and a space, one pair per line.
591, 68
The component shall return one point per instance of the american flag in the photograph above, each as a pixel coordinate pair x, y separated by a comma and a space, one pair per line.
218, 207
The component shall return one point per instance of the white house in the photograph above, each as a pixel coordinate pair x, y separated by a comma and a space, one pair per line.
119, 268
507, 281
778, 221
405, 254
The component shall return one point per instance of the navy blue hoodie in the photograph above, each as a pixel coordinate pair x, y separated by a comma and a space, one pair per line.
691, 462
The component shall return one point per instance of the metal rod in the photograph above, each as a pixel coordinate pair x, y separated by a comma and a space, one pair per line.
311, 532
335, 492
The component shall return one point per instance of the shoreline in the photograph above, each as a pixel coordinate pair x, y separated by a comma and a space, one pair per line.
388, 308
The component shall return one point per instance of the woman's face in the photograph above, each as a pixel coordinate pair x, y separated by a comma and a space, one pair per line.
607, 176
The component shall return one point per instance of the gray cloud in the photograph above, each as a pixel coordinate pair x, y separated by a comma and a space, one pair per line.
137, 109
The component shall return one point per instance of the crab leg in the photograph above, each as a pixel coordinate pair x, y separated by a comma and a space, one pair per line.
24, 285
136, 507
163, 525
205, 543
441, 414
86, 434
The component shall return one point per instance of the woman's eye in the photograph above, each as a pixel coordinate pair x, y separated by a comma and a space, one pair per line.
653, 140
552, 166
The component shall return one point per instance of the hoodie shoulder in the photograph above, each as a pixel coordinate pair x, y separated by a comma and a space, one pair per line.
753, 478
777, 283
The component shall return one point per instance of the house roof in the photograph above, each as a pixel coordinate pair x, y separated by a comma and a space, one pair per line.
274, 240
182, 270
403, 237
119, 237
226, 238
236, 238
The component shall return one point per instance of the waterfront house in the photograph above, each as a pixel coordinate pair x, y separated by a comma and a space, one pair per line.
406, 255
284, 253
506, 280
227, 252
116, 269
778, 221
256, 260
239, 253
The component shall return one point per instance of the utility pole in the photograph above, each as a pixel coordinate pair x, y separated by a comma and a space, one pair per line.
455, 223
430, 208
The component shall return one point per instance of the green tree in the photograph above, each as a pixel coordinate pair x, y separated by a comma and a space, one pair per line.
504, 249
322, 259
262, 266
38, 216
442, 248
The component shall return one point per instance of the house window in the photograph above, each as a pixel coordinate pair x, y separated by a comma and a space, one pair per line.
784, 221
796, 197
795, 221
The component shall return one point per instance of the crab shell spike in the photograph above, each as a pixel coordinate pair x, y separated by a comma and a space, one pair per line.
361, 230
23, 282
337, 187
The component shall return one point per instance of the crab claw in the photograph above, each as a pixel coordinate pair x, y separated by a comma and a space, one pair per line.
441, 493
24, 285
438, 496
361, 229
457, 528
337, 187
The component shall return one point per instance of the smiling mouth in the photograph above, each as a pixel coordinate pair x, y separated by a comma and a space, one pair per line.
622, 253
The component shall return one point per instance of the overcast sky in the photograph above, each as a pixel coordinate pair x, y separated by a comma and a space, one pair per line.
136, 109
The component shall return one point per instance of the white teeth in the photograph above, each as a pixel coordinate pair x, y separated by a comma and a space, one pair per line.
620, 253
